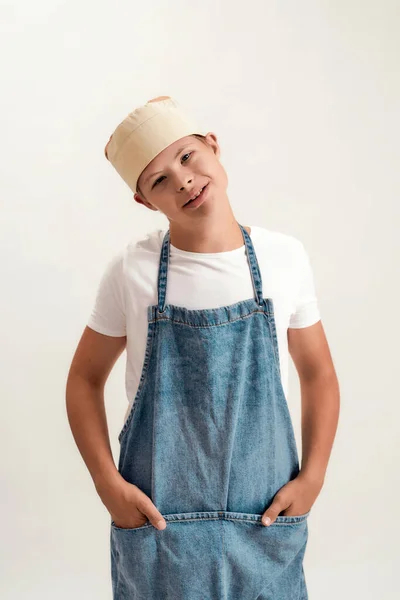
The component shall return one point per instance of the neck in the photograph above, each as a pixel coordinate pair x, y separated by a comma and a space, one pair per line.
220, 236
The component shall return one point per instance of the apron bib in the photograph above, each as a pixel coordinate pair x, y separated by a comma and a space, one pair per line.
210, 440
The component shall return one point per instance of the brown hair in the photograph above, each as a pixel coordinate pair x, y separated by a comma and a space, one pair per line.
197, 135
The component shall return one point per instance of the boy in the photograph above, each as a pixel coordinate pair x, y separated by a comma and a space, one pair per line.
208, 500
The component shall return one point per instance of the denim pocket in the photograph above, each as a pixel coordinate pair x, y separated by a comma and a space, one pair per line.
114, 526
265, 562
217, 554
182, 561
290, 519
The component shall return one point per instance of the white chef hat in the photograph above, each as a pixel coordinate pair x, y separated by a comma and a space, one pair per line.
144, 133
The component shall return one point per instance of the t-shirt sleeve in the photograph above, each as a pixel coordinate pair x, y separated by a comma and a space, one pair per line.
108, 313
306, 311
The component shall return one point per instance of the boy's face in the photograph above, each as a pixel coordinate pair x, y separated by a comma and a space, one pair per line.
170, 179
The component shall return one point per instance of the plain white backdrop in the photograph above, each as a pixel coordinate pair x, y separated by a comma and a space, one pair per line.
304, 99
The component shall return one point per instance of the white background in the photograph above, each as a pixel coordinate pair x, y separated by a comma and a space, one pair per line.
303, 97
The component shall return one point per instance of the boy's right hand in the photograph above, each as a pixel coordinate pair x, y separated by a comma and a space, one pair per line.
129, 506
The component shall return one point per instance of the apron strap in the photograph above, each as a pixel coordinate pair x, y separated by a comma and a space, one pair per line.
254, 267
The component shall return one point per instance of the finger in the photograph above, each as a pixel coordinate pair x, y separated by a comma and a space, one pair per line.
152, 513
277, 506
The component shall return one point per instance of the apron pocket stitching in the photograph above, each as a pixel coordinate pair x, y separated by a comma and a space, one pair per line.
221, 515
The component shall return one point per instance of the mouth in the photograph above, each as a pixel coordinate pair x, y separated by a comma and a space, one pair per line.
198, 198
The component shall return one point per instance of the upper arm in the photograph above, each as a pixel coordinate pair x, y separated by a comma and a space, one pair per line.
96, 355
104, 337
108, 314
305, 303
307, 343
310, 351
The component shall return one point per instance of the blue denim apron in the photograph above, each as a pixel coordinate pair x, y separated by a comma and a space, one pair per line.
210, 440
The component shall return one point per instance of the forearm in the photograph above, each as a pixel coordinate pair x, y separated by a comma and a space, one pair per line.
88, 422
320, 402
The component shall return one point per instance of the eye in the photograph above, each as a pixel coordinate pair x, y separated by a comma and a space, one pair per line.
156, 182
160, 178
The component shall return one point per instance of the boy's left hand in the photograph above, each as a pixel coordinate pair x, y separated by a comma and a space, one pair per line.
295, 498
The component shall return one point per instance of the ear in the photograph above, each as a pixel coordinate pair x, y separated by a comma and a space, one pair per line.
141, 200
212, 141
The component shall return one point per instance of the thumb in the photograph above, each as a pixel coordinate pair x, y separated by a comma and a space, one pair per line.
273, 511
152, 513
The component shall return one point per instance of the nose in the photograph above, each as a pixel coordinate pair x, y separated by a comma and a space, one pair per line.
188, 183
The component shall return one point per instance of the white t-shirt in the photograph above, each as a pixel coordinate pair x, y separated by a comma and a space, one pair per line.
198, 280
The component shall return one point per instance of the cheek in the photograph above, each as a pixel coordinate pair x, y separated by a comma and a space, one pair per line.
222, 174
167, 204
217, 174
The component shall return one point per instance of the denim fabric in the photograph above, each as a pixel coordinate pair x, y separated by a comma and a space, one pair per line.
210, 440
